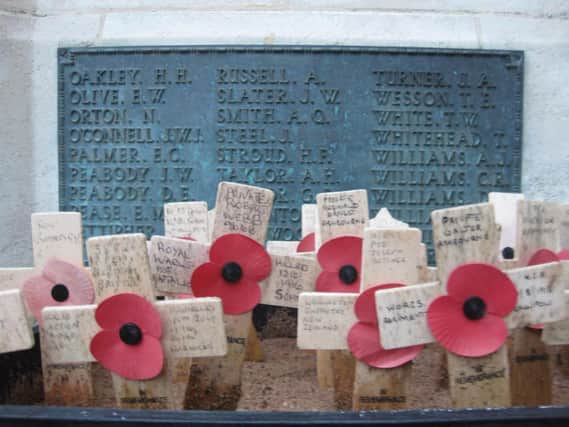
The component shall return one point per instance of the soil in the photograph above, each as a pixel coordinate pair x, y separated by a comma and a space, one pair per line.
286, 380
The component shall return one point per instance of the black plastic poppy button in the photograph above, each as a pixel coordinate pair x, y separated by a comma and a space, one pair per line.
348, 274
130, 334
508, 252
474, 308
60, 292
232, 272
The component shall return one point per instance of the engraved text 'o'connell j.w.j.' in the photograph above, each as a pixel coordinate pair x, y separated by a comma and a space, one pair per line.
420, 129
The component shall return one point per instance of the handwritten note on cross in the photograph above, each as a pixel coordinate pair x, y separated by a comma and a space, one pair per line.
342, 213
172, 262
537, 228
187, 219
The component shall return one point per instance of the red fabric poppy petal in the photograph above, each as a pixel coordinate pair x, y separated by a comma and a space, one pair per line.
563, 255
76, 279
119, 309
237, 298
329, 281
254, 260
307, 244
484, 281
543, 256
364, 343
341, 251
462, 336
206, 280
37, 294
365, 304
134, 362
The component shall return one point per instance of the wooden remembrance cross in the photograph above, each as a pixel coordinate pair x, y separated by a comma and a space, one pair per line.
537, 227
59, 235
339, 214
461, 235
191, 327
216, 383
389, 256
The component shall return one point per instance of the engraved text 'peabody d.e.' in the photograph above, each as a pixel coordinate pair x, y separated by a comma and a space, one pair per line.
419, 129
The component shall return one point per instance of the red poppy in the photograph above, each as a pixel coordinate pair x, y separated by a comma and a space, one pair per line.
307, 244
341, 261
469, 320
364, 340
129, 344
236, 265
563, 255
542, 256
60, 283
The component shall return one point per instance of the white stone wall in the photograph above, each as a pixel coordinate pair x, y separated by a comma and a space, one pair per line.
32, 30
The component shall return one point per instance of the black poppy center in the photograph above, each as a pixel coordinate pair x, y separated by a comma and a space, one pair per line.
232, 272
60, 292
508, 252
474, 308
348, 274
130, 333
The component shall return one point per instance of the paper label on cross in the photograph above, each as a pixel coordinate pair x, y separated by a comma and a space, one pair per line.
391, 256
540, 295
342, 213
120, 264
14, 278
401, 313
464, 234
66, 334
383, 219
15, 329
537, 228
242, 209
57, 234
281, 247
309, 212
290, 276
505, 210
324, 320
172, 262
186, 219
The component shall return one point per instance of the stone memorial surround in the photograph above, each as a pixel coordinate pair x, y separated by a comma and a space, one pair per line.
32, 30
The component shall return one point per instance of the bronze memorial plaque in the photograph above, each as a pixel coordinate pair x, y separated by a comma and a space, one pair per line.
420, 129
